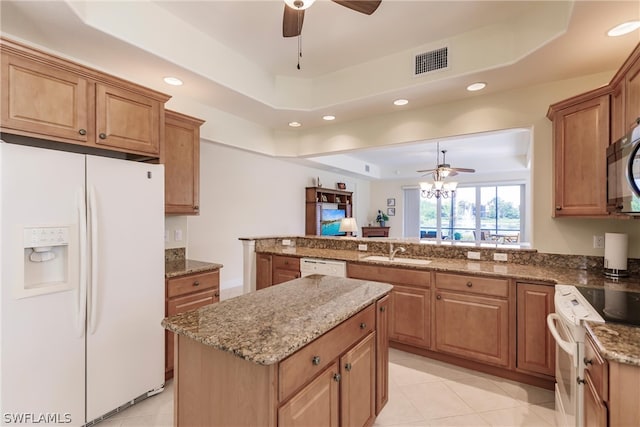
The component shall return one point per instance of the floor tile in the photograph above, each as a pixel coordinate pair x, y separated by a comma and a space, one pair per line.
461, 421
521, 416
524, 392
398, 410
546, 411
482, 394
435, 400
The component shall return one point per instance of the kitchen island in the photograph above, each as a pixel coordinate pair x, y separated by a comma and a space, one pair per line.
309, 351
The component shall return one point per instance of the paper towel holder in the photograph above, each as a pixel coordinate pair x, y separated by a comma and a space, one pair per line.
615, 255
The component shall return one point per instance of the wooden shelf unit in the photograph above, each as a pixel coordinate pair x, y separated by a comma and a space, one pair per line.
315, 198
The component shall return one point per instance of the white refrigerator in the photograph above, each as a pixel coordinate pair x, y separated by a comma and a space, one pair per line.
82, 298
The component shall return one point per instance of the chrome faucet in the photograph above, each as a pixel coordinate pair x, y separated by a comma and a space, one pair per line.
392, 252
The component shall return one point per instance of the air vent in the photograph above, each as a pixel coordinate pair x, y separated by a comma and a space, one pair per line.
431, 61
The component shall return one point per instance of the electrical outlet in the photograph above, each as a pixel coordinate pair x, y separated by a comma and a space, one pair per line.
598, 242
286, 242
177, 235
362, 247
499, 257
473, 255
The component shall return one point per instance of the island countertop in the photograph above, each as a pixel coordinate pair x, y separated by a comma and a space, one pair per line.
265, 327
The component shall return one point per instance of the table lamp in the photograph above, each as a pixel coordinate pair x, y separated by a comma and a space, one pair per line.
348, 225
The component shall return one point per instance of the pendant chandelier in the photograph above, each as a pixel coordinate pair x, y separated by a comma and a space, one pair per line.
440, 188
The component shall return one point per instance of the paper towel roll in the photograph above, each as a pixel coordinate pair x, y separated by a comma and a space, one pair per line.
615, 251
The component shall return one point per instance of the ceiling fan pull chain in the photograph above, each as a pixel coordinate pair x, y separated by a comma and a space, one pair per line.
299, 40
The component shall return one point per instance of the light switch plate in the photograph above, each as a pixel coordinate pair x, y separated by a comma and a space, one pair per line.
286, 242
499, 257
362, 247
177, 235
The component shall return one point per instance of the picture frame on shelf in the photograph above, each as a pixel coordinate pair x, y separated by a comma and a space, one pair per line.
391, 211
391, 202
324, 198
341, 185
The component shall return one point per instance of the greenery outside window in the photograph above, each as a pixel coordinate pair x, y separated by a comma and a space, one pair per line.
489, 213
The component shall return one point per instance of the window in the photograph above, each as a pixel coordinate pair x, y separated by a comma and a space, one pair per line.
492, 213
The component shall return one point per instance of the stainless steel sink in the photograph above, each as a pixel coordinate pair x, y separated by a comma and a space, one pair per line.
396, 260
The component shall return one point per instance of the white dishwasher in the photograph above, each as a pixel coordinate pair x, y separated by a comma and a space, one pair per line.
327, 267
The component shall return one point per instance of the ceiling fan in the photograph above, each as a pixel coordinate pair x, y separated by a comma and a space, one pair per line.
444, 169
294, 12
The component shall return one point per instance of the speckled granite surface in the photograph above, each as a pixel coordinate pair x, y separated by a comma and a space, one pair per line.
265, 327
616, 342
175, 264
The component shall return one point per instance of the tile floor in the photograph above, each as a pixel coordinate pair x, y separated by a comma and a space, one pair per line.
422, 392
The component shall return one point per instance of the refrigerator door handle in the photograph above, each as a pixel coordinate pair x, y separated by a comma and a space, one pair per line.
81, 302
93, 283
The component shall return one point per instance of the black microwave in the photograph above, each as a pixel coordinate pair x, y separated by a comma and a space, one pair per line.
623, 174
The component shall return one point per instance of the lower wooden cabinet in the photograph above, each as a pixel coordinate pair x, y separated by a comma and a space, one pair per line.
184, 293
358, 384
535, 344
263, 271
595, 410
275, 269
472, 317
411, 311
316, 404
382, 352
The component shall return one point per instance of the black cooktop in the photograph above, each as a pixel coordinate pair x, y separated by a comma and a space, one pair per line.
620, 306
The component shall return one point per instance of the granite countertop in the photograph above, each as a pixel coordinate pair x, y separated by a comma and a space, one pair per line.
536, 273
265, 327
180, 267
617, 342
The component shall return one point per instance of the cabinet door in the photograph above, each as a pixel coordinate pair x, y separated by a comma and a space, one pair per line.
632, 95
180, 305
281, 276
382, 352
43, 101
536, 347
314, 405
181, 160
595, 411
263, 271
357, 386
409, 317
618, 116
128, 121
581, 137
473, 327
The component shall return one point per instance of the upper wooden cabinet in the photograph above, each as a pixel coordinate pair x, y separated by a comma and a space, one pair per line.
581, 138
625, 112
44, 96
181, 158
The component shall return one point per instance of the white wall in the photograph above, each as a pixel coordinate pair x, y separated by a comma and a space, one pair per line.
244, 194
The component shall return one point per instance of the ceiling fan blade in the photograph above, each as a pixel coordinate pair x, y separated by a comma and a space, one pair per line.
292, 22
426, 171
463, 170
362, 6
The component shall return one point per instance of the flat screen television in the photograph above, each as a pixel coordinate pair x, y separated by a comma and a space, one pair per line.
330, 223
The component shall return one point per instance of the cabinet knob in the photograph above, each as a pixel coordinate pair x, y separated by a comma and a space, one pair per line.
103, 136
347, 367
638, 121
469, 284
363, 325
316, 360
196, 283
337, 377
587, 361
196, 207
383, 309
581, 381
82, 131
438, 296
558, 208
217, 294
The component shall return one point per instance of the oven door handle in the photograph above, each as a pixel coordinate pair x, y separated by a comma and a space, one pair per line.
567, 346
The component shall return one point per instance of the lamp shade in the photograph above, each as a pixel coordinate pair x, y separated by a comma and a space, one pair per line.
348, 225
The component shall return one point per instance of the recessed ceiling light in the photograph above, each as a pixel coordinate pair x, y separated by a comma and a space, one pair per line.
295, 124
476, 86
400, 102
328, 117
173, 81
622, 29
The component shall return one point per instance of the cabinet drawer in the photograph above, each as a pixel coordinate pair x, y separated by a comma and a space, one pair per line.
191, 302
597, 368
286, 263
296, 370
192, 283
478, 285
389, 274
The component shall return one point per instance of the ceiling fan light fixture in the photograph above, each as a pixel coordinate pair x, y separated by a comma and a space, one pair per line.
400, 102
624, 28
299, 4
295, 124
476, 86
328, 117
